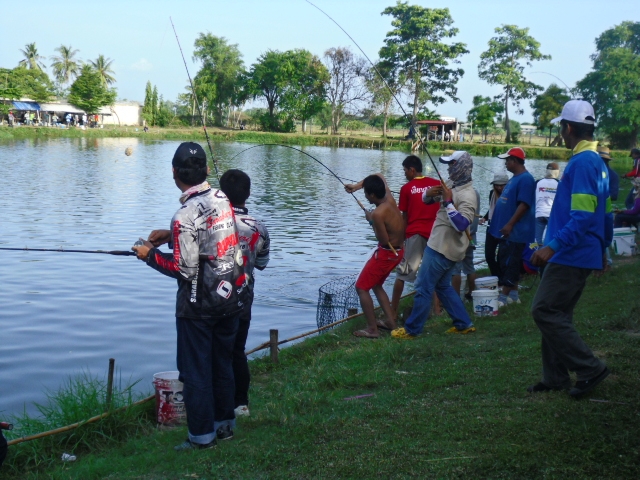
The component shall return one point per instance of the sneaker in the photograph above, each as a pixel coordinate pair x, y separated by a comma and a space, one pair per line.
464, 331
189, 445
402, 334
511, 300
242, 411
501, 304
585, 386
543, 388
224, 433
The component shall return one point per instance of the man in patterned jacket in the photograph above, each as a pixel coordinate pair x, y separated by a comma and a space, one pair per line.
212, 289
254, 244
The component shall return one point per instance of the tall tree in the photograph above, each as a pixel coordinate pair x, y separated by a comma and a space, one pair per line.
383, 84
102, 65
147, 107
483, 113
220, 79
416, 47
65, 66
547, 106
32, 60
613, 87
154, 105
503, 64
347, 85
34, 84
88, 92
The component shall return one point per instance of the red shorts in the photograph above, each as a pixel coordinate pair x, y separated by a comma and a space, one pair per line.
378, 268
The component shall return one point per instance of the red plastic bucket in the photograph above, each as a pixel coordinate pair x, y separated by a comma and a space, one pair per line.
170, 411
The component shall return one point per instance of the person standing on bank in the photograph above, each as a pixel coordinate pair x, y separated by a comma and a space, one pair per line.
545, 193
418, 218
212, 290
254, 245
491, 243
447, 245
580, 228
634, 173
513, 224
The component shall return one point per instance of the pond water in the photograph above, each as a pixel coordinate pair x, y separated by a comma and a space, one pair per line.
63, 313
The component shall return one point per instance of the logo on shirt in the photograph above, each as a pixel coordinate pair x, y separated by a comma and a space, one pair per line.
224, 289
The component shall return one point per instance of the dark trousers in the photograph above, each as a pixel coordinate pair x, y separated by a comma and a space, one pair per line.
622, 218
490, 247
563, 349
205, 350
240, 364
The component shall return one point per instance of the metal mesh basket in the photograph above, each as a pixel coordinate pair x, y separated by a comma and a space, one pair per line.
335, 299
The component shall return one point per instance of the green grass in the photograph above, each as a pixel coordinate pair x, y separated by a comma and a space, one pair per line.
443, 406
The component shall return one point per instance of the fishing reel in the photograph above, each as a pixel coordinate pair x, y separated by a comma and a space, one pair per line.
3, 441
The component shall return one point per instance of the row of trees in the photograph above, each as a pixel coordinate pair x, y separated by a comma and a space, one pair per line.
87, 85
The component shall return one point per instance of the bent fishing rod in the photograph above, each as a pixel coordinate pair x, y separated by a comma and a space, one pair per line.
195, 98
125, 253
331, 172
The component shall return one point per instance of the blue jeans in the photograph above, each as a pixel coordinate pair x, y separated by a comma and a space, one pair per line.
205, 350
435, 275
541, 224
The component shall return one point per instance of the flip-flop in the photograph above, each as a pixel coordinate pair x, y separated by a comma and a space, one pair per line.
383, 326
363, 334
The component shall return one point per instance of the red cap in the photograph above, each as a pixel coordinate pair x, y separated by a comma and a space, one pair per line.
514, 152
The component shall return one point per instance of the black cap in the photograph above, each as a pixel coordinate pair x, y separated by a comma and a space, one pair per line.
186, 151
634, 151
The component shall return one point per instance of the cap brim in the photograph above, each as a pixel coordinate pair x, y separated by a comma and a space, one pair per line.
556, 120
503, 155
446, 160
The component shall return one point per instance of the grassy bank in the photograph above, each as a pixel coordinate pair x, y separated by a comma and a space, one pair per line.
338, 141
440, 406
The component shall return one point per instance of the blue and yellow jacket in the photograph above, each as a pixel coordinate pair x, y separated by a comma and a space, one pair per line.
581, 223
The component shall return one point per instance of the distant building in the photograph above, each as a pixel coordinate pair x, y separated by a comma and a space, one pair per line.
528, 129
446, 128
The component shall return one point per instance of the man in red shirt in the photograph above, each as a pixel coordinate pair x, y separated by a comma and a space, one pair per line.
418, 219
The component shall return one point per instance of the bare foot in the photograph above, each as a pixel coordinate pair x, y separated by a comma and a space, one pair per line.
365, 334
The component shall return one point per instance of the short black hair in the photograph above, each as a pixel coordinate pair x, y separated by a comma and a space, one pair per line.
374, 185
192, 173
412, 162
236, 185
580, 130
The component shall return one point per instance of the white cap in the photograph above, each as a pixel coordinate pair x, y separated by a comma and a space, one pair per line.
455, 156
579, 111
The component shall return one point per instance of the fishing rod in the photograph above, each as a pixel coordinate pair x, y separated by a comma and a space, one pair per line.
386, 85
195, 97
301, 151
125, 253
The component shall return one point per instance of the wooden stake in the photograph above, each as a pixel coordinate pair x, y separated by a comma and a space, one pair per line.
273, 345
112, 362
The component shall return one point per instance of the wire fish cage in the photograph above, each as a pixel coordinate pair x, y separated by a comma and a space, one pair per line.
335, 299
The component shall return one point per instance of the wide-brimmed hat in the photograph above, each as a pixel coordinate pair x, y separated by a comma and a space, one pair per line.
500, 179
604, 152
514, 152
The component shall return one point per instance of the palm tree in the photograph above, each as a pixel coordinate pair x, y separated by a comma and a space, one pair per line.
65, 66
31, 58
103, 67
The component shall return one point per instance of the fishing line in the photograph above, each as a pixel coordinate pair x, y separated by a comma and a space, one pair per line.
387, 85
301, 151
195, 97
125, 253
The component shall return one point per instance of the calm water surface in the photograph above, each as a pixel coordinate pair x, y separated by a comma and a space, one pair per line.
63, 313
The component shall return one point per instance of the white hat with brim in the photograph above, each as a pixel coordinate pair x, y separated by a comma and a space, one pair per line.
578, 111
454, 157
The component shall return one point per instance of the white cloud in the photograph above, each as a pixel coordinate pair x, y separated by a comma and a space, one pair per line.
142, 65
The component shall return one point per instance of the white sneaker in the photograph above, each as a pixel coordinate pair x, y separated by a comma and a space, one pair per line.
501, 304
242, 411
511, 300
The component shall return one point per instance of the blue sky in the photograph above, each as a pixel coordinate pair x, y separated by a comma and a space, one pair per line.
138, 36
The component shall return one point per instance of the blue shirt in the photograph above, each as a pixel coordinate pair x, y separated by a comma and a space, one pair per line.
520, 189
614, 183
581, 223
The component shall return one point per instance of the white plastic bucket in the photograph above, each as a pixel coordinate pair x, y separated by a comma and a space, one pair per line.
624, 241
170, 409
485, 302
487, 283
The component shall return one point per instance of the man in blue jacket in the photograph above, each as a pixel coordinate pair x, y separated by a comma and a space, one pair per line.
580, 228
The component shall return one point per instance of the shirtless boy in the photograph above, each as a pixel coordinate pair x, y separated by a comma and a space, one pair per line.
388, 225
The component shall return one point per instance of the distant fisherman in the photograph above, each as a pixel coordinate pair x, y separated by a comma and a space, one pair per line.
388, 226
580, 228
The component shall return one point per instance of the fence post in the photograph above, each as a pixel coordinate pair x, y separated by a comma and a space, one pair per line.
273, 345
112, 361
